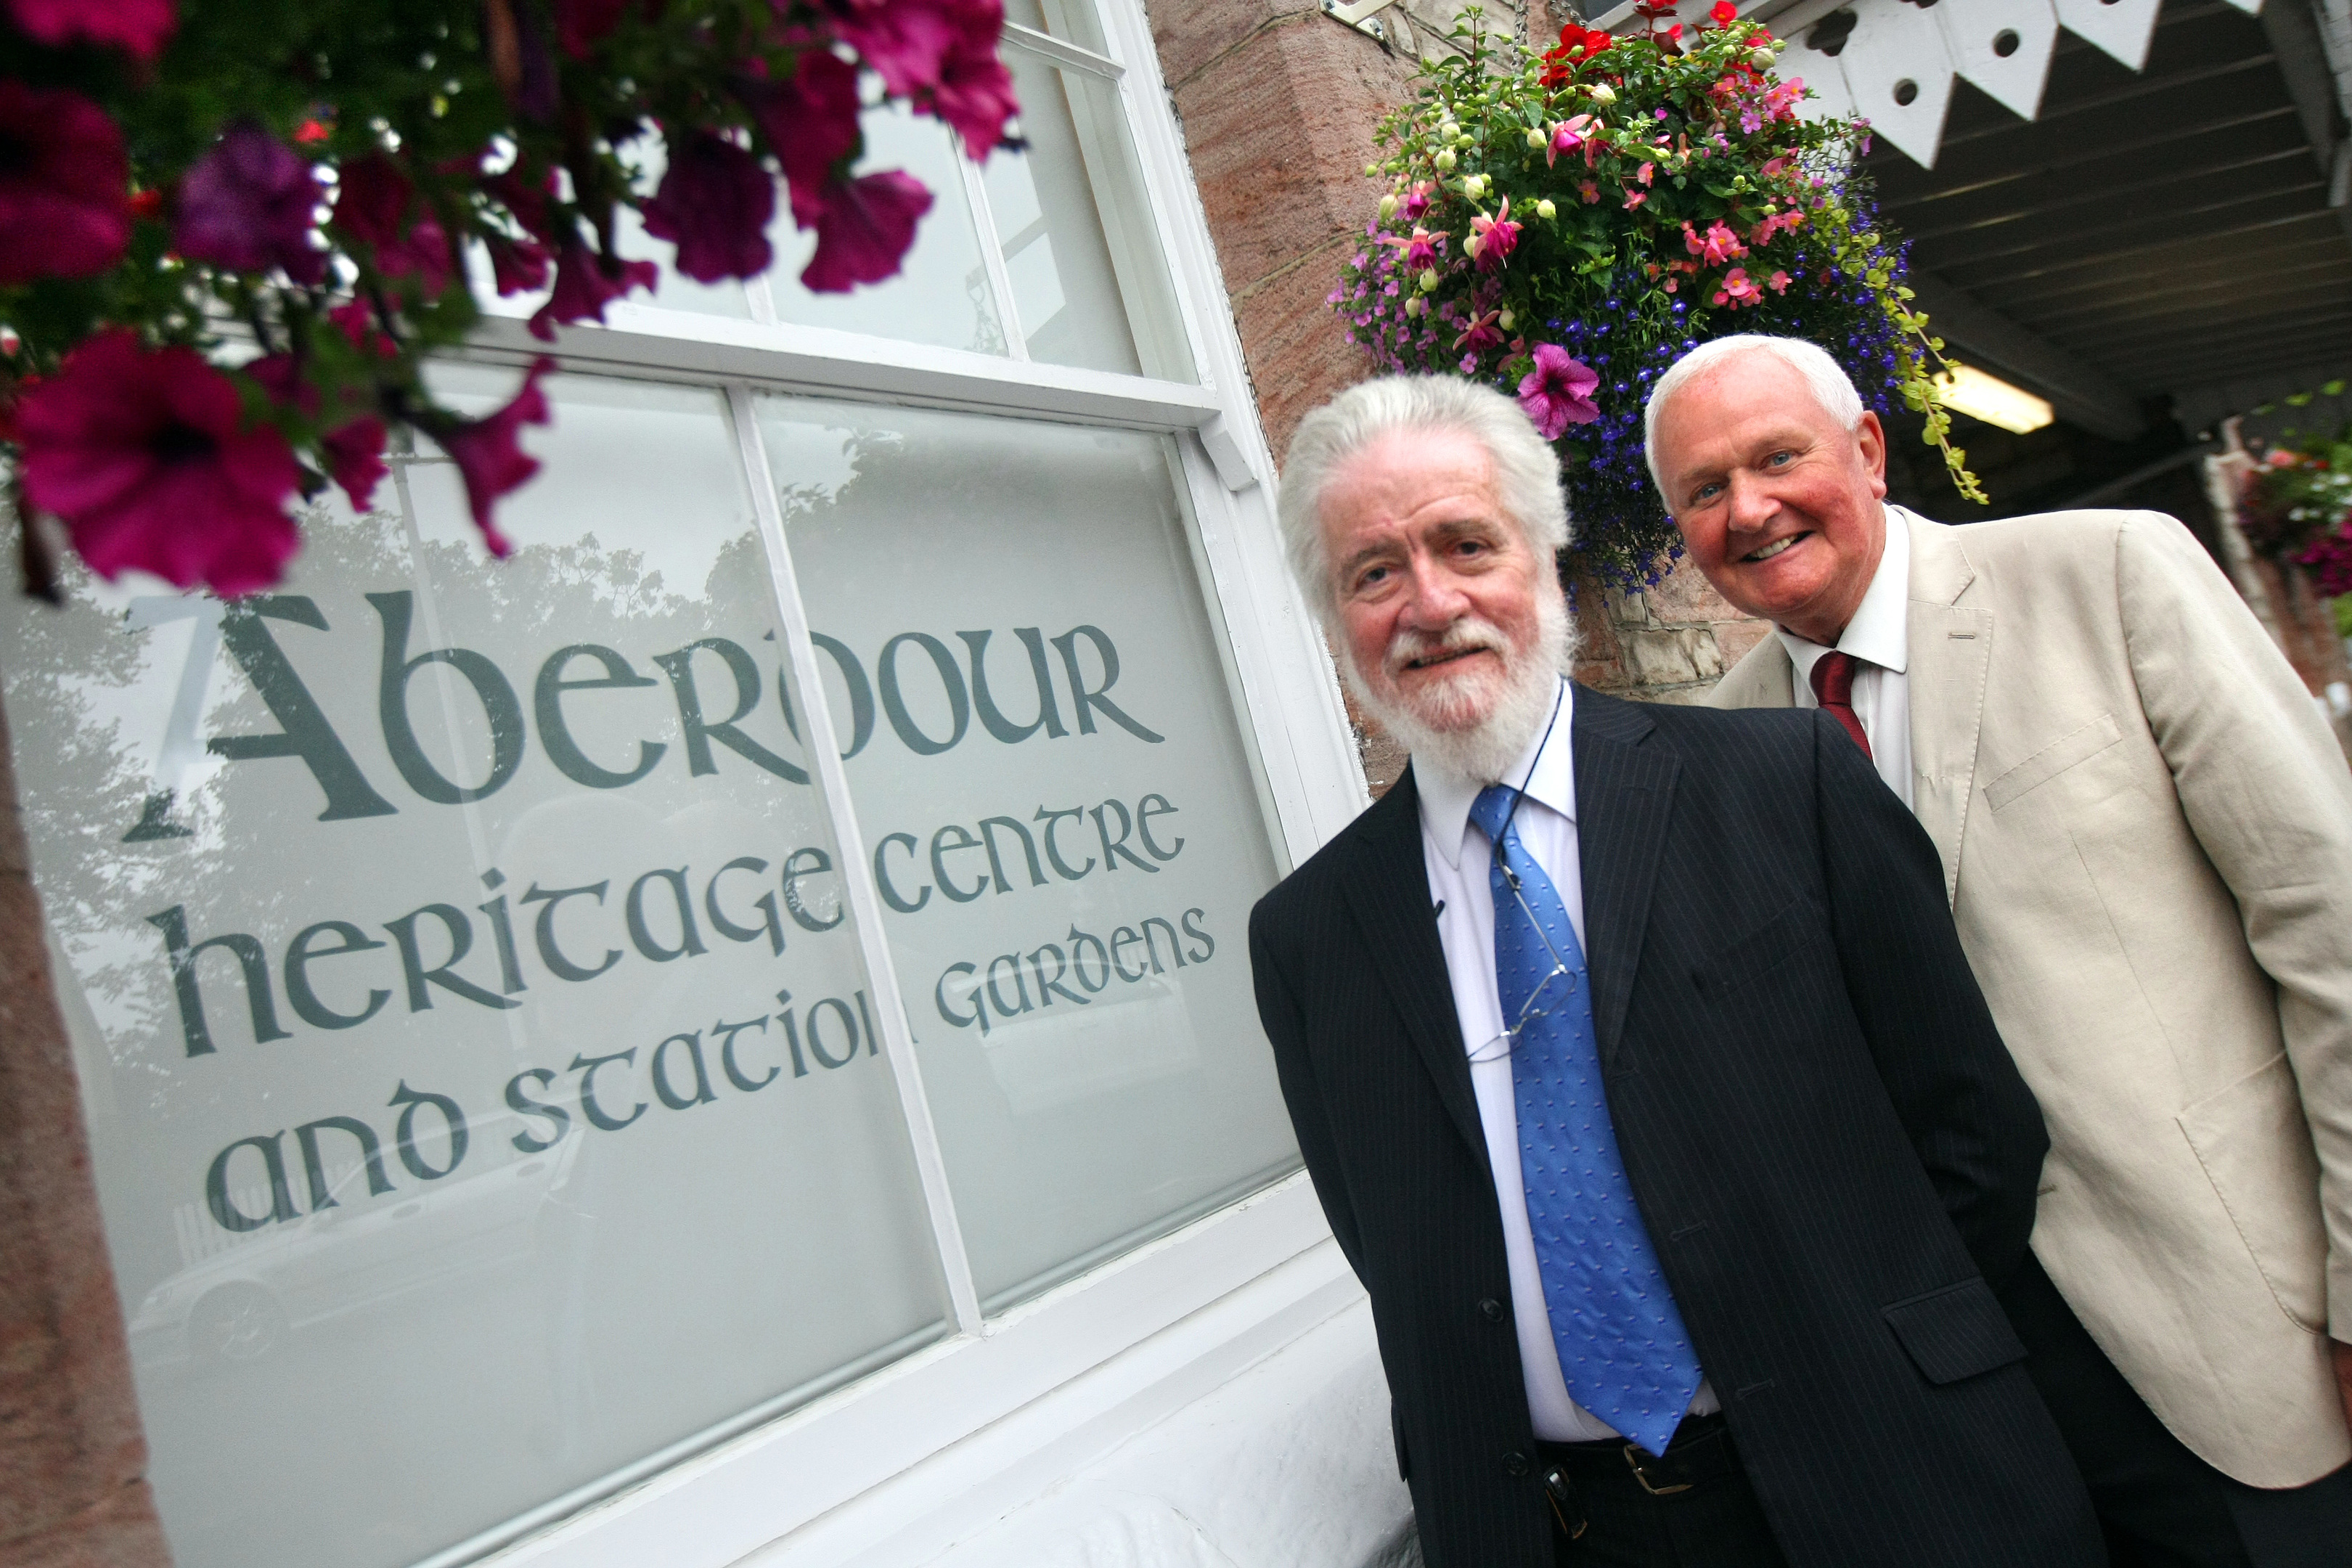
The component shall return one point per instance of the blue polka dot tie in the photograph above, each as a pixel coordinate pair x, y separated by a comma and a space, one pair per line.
1623, 1351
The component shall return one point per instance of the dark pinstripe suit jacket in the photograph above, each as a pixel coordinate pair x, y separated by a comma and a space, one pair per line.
1825, 1135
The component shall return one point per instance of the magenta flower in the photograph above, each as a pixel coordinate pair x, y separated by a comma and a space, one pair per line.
64, 209
249, 205
974, 92
490, 457
1420, 251
148, 459
517, 265
354, 457
1557, 393
1484, 331
378, 205
1494, 238
1416, 201
714, 204
906, 42
581, 25
138, 25
1568, 136
586, 283
868, 226
809, 123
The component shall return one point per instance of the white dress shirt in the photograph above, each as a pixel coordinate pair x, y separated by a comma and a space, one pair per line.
1879, 635
1458, 856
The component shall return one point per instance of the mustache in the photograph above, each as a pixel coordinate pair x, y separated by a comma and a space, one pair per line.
1470, 633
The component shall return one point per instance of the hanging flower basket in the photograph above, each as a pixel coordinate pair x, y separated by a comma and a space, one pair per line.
2296, 507
1566, 231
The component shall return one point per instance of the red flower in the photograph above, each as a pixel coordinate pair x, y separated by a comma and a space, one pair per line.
490, 458
586, 283
65, 207
148, 459
310, 133
1723, 13
714, 204
581, 25
868, 226
378, 205
811, 124
247, 205
139, 26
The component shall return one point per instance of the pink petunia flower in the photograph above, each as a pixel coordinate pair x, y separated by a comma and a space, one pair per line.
138, 25
64, 209
1496, 238
974, 91
1557, 393
378, 205
249, 205
149, 459
354, 455
490, 457
714, 204
809, 123
586, 283
868, 226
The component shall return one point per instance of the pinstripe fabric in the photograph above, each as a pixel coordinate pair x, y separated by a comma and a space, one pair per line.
1817, 1117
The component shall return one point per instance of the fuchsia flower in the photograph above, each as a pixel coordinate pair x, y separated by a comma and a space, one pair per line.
1416, 201
249, 205
65, 207
490, 457
1557, 393
1568, 136
1482, 333
378, 205
868, 225
1493, 239
138, 25
714, 204
586, 283
149, 459
1420, 251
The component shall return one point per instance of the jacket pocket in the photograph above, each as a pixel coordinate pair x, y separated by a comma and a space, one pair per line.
1795, 928
2255, 1147
1954, 1333
2075, 746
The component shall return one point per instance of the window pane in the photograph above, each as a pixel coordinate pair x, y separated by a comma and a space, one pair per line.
1048, 771
941, 296
682, 1188
1090, 282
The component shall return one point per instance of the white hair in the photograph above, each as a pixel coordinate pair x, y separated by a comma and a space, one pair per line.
1526, 473
1830, 385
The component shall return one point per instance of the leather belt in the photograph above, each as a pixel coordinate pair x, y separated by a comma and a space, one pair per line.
1700, 1451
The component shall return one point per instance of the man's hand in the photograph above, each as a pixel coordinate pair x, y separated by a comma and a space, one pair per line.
2343, 1354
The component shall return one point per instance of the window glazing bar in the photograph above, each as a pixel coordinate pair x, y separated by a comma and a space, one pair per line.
856, 872
1046, 46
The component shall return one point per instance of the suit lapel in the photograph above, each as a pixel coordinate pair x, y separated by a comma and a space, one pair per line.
1386, 885
1950, 645
1624, 799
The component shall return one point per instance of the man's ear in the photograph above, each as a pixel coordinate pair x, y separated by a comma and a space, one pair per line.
1870, 440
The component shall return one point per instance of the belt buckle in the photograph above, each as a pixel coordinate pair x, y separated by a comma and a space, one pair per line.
1634, 1462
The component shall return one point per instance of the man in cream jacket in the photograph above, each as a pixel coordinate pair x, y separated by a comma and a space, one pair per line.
2146, 837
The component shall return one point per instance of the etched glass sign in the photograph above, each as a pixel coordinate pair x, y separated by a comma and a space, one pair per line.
480, 1070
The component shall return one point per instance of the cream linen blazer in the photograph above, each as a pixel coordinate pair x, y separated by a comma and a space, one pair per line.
2147, 836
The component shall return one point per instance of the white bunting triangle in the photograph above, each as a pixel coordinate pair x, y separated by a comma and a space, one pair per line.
2121, 27
2003, 48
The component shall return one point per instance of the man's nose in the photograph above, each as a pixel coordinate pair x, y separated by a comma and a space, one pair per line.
1751, 507
1435, 599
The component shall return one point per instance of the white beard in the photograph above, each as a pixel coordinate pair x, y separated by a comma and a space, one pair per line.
1475, 726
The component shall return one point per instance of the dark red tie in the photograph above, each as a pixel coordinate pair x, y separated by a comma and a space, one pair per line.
1833, 686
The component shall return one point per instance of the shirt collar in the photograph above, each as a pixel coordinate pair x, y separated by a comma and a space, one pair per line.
1879, 633
1547, 765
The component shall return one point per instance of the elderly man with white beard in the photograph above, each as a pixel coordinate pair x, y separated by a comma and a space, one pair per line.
1641, 1075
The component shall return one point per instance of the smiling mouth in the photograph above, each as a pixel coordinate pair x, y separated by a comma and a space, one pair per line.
1450, 655
1777, 547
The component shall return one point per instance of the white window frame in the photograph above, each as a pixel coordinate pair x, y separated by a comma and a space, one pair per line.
1004, 1402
